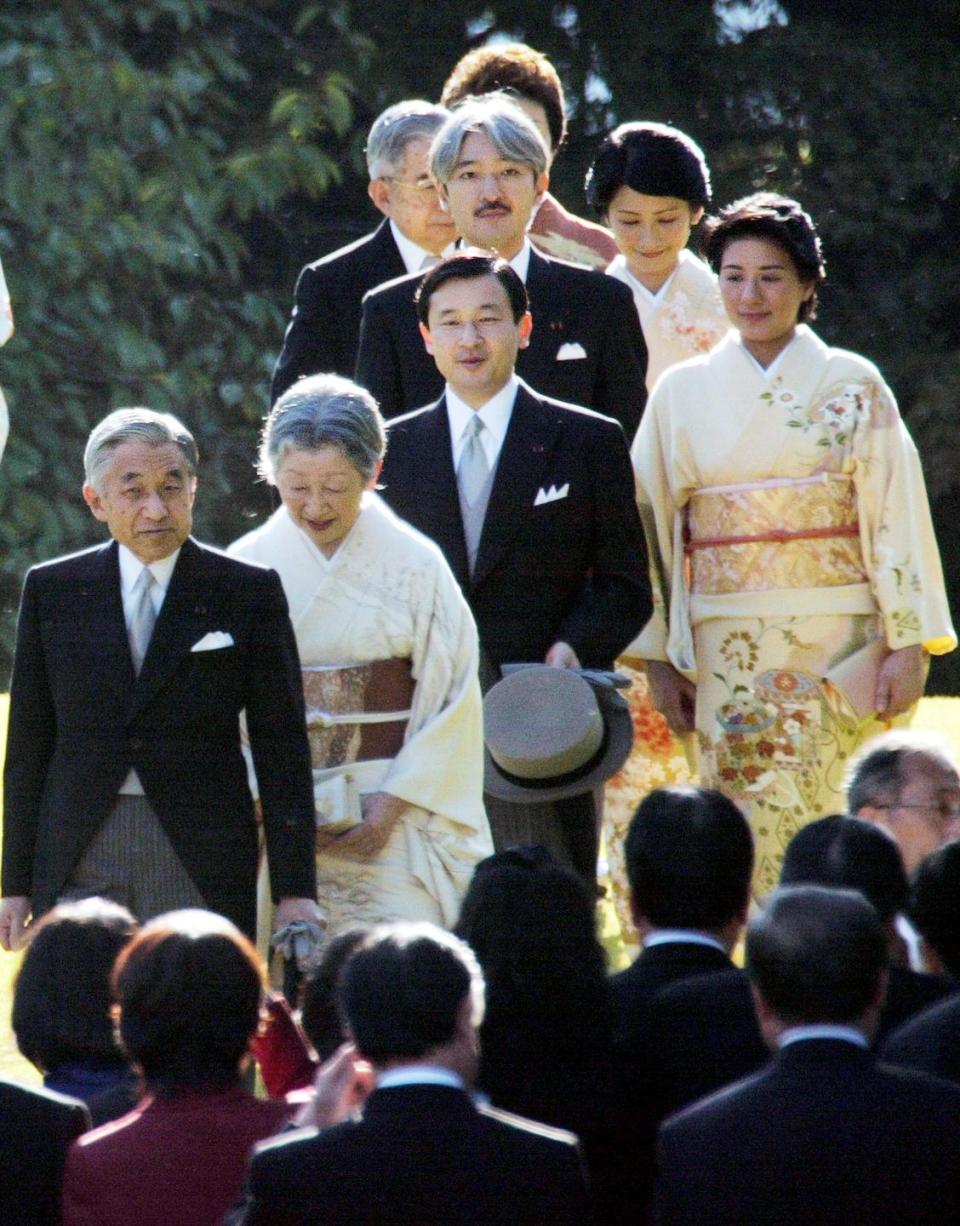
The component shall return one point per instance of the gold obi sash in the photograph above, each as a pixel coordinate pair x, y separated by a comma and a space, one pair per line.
357, 712
774, 534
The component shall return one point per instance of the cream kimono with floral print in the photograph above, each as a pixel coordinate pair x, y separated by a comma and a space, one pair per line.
685, 318
788, 527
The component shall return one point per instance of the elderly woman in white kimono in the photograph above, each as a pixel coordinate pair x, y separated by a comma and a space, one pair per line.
798, 587
389, 653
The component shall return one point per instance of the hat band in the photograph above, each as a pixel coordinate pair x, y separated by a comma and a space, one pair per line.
554, 781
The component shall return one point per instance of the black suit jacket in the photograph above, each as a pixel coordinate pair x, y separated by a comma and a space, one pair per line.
80, 719
929, 1041
570, 306
825, 1136
325, 325
36, 1130
704, 1034
420, 1155
573, 569
632, 991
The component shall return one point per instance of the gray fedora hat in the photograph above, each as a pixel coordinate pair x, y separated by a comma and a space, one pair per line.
553, 732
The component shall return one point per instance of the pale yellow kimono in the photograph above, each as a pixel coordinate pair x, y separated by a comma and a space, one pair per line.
6, 331
387, 593
684, 319
812, 450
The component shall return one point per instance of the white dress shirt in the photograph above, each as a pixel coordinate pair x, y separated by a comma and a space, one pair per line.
130, 570
682, 936
495, 415
823, 1030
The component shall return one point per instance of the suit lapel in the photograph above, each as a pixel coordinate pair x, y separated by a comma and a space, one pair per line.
530, 439
535, 363
386, 262
101, 624
178, 626
437, 495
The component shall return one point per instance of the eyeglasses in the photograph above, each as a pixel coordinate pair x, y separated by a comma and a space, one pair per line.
423, 187
946, 810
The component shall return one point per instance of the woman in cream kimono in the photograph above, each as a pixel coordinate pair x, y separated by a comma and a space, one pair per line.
650, 184
798, 588
389, 653
6, 331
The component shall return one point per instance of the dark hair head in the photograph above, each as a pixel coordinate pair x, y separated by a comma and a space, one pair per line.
320, 1015
651, 158
779, 220
532, 925
816, 955
849, 854
401, 992
514, 68
189, 989
689, 857
465, 266
61, 1003
934, 906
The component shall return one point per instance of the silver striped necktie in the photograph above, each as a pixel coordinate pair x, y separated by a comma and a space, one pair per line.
473, 470
142, 618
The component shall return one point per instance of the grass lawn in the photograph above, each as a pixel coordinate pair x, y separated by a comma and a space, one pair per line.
935, 714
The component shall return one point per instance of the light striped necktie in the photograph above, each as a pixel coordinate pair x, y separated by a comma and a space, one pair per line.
473, 470
143, 616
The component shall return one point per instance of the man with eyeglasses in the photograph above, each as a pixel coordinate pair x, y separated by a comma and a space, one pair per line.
585, 348
325, 324
908, 784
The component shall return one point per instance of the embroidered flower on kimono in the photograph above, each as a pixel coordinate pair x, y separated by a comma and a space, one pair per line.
792, 727
786, 683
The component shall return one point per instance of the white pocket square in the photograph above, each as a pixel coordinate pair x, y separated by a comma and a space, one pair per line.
570, 350
213, 641
551, 495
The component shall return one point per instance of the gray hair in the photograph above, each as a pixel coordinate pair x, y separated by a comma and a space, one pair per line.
395, 128
136, 425
498, 117
882, 769
324, 411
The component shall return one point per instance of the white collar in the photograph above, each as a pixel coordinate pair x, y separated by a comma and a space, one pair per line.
521, 261
620, 269
823, 1030
420, 1075
682, 936
131, 568
412, 253
495, 415
768, 371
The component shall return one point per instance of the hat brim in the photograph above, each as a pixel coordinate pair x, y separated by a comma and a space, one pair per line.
618, 729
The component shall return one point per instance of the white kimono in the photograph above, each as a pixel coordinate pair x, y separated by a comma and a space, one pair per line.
6, 331
788, 527
684, 318
388, 594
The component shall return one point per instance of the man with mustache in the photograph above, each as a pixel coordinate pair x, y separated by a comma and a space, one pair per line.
586, 346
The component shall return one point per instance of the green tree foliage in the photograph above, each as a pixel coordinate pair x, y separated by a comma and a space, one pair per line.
142, 145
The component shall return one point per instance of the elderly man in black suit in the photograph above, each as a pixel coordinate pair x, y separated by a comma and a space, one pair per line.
825, 1135
531, 502
325, 325
689, 857
124, 772
37, 1128
586, 346
423, 1151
